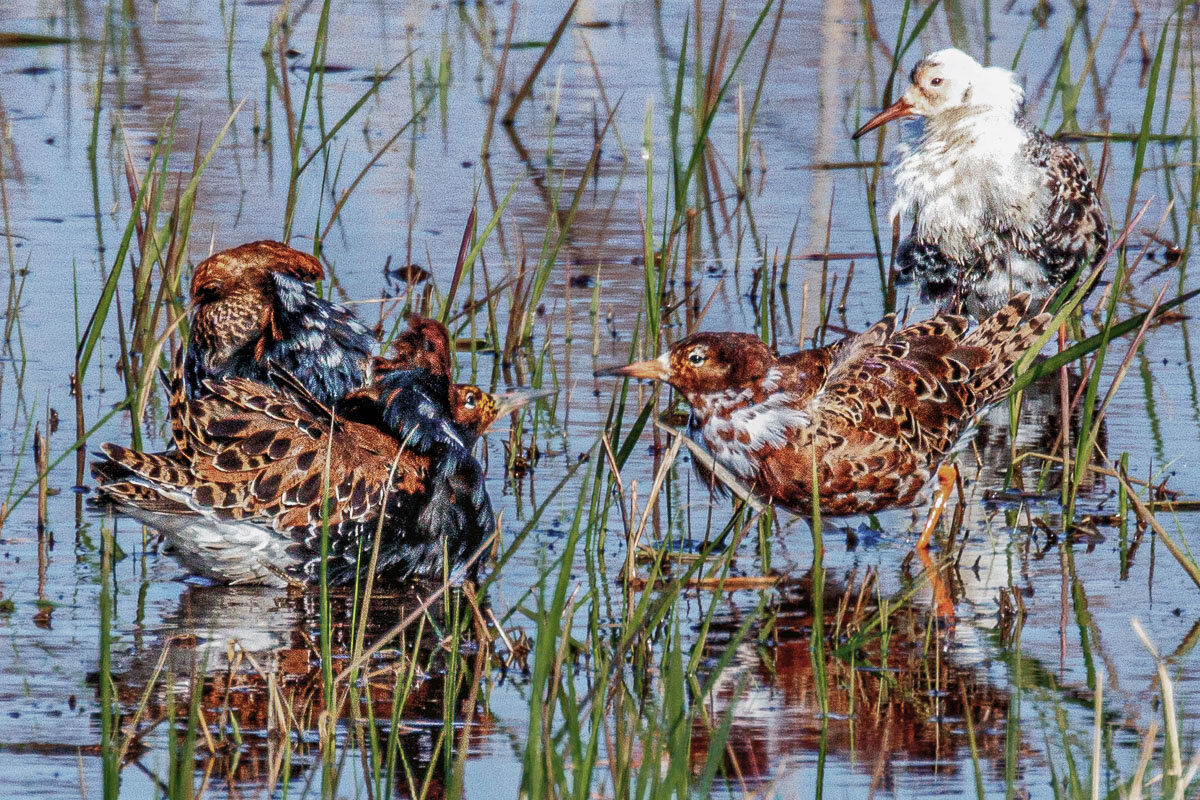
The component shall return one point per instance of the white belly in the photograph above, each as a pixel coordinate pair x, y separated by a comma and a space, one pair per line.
226, 551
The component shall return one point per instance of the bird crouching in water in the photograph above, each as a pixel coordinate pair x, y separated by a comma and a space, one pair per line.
239, 496
255, 305
998, 206
426, 345
877, 411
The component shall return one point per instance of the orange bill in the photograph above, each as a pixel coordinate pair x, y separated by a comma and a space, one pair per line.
653, 370
897, 110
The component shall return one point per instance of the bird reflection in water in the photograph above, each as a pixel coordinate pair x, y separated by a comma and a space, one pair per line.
256, 655
898, 702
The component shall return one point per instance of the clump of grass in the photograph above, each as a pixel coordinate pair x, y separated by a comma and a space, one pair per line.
1160, 770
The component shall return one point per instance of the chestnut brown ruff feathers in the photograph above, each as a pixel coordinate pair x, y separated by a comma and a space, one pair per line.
425, 344
254, 305
877, 411
240, 494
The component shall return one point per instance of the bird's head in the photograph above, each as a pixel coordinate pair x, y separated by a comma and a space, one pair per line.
248, 267
947, 80
705, 363
475, 410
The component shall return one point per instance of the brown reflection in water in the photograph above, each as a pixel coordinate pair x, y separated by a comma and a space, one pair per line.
259, 654
898, 704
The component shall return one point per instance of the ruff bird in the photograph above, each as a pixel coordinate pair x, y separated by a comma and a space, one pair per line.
426, 346
255, 305
878, 411
240, 494
998, 206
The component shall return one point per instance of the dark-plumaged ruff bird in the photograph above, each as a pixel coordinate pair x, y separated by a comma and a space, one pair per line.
239, 496
877, 411
998, 206
256, 305
426, 346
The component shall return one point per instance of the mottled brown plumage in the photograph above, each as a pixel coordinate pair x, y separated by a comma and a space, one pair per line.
877, 412
240, 494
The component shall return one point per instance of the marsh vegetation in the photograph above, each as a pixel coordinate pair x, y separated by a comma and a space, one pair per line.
572, 186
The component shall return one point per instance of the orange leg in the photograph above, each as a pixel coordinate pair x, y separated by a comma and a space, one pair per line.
947, 477
943, 604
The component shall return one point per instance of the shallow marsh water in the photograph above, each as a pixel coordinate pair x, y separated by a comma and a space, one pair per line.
894, 729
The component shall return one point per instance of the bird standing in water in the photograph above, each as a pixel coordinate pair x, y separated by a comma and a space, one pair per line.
240, 493
998, 206
239, 496
877, 411
255, 305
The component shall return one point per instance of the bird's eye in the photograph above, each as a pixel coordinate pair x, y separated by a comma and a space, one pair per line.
469, 402
936, 81
696, 358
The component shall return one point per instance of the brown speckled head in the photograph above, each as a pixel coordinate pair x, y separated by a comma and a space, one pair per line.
224, 273
474, 409
705, 362
713, 362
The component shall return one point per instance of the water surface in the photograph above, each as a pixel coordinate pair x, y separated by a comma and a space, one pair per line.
806, 194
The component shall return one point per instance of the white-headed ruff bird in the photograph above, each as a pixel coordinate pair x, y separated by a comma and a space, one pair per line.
998, 206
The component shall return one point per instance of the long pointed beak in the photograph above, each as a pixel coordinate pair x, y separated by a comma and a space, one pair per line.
509, 402
897, 110
652, 370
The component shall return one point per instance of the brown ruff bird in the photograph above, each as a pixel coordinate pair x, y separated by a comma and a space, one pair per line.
240, 494
255, 305
878, 411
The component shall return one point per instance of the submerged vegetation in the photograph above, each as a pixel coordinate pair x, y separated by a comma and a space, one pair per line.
571, 186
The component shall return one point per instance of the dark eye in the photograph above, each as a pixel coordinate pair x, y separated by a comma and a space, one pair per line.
936, 81
696, 358
469, 402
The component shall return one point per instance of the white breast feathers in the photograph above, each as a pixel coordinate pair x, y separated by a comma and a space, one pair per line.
735, 429
965, 178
